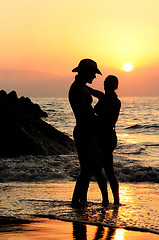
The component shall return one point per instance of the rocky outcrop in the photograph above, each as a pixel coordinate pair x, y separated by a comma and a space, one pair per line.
23, 132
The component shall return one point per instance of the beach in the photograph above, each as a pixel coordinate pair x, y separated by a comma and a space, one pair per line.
47, 210
36, 191
58, 230
79, 106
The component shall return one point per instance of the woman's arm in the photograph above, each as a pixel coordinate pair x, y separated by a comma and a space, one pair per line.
94, 92
116, 112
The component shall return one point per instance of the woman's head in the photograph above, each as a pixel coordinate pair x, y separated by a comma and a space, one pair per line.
111, 83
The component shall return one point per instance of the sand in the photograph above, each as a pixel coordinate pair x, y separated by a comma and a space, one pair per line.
138, 212
60, 230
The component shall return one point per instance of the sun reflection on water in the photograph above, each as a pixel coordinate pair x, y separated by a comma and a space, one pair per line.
125, 194
119, 234
127, 138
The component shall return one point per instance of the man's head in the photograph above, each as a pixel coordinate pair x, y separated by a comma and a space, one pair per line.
88, 69
87, 66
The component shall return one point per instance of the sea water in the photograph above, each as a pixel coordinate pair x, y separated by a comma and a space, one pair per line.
43, 186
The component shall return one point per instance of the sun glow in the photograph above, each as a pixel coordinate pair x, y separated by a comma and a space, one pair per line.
127, 67
119, 234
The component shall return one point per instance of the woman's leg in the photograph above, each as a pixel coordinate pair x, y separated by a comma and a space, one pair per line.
82, 184
109, 170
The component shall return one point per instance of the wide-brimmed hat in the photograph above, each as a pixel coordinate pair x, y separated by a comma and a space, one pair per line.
87, 65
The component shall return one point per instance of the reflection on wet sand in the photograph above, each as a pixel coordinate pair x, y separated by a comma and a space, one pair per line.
87, 232
58, 230
107, 233
80, 232
119, 234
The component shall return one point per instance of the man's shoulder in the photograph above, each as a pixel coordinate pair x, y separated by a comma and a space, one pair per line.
74, 87
75, 84
75, 91
77, 87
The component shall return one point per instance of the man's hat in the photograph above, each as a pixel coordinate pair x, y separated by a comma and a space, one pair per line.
87, 65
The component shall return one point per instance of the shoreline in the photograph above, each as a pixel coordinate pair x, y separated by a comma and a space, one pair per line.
52, 200
46, 228
98, 224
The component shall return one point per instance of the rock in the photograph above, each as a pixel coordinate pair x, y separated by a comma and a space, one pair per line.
23, 132
13, 96
26, 103
3, 93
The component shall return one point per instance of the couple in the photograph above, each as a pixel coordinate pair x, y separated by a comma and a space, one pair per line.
94, 133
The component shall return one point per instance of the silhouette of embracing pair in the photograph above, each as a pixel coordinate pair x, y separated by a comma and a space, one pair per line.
94, 133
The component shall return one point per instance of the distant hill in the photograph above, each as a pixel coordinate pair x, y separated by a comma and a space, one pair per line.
34, 83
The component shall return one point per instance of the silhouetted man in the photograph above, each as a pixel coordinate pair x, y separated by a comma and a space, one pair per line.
87, 125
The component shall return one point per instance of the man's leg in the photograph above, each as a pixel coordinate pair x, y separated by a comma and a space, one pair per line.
102, 183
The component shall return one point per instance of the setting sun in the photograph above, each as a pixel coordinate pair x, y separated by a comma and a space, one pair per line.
40, 44
128, 67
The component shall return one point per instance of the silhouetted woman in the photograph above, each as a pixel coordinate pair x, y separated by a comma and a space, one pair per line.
107, 108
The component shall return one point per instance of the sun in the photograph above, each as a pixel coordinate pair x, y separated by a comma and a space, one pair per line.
128, 67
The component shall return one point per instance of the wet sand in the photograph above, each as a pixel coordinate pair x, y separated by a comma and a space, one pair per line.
49, 216
60, 230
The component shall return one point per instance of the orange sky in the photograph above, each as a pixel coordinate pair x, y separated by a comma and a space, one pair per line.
50, 37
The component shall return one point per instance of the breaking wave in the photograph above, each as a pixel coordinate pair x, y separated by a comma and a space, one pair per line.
138, 126
31, 169
137, 173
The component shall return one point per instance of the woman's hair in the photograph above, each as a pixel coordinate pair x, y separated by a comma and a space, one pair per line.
111, 81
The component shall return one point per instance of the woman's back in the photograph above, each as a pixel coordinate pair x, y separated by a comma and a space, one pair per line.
107, 108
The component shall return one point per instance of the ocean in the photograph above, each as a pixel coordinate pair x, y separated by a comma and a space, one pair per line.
42, 186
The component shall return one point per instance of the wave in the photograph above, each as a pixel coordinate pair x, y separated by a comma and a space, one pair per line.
31, 169
139, 126
137, 173
51, 110
152, 144
132, 149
